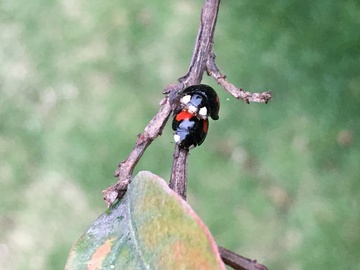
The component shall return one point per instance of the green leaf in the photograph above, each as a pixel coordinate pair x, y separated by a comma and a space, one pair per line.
150, 228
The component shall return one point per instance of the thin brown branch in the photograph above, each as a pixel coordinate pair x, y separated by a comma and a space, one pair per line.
203, 44
126, 168
238, 93
202, 59
202, 51
179, 171
238, 262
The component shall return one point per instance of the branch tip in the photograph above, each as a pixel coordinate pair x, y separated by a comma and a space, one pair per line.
247, 97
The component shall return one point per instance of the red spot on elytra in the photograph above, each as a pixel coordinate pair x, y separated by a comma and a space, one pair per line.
206, 126
183, 115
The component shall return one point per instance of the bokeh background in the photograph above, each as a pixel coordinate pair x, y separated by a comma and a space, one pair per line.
80, 79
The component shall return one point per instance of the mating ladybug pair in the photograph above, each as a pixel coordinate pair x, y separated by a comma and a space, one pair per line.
190, 122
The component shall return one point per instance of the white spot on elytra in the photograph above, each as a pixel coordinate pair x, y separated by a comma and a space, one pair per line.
203, 111
176, 138
192, 109
185, 99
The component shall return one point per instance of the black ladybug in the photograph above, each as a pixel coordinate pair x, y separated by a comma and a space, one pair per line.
200, 100
190, 131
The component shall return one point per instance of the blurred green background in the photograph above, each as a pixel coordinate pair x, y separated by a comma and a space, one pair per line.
80, 79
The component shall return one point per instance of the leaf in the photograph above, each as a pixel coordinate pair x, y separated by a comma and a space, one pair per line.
150, 228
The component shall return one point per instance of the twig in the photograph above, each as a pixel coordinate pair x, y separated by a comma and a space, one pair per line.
238, 262
238, 93
203, 44
126, 168
179, 171
201, 53
202, 59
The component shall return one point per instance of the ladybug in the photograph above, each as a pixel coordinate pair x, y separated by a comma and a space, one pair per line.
200, 100
190, 131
